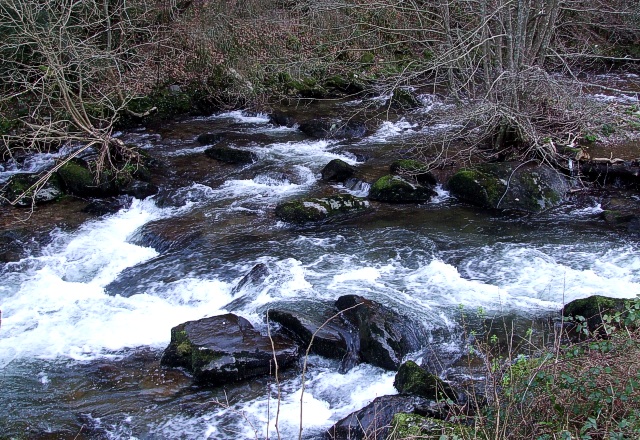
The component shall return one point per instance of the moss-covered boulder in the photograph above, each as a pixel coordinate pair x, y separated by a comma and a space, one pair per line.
337, 171
226, 348
17, 190
395, 189
510, 186
593, 308
622, 212
313, 210
413, 169
412, 379
404, 99
231, 155
344, 85
413, 426
374, 420
79, 180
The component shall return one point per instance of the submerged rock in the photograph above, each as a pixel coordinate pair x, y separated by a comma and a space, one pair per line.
226, 348
282, 119
413, 379
107, 206
18, 187
395, 189
231, 155
210, 138
255, 277
511, 186
311, 210
385, 336
374, 420
319, 128
337, 171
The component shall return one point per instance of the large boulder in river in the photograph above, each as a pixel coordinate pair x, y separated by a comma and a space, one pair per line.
413, 379
226, 348
312, 210
413, 169
337, 171
385, 336
17, 190
374, 420
510, 186
231, 155
319, 128
593, 308
623, 212
395, 189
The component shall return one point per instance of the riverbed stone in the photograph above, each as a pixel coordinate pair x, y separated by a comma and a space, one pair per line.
395, 189
385, 336
593, 308
19, 184
374, 420
510, 186
255, 277
404, 99
210, 138
623, 212
226, 348
321, 128
231, 155
413, 169
331, 340
337, 171
413, 379
318, 209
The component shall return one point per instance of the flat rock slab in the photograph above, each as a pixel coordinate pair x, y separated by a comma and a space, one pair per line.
226, 348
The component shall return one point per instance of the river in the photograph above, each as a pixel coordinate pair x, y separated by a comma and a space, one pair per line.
87, 314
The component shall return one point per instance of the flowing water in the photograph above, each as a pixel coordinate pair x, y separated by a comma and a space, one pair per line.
87, 314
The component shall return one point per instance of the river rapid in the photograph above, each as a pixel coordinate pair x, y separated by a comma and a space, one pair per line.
87, 313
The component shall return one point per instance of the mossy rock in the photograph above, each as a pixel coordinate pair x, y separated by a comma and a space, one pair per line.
419, 171
343, 84
395, 189
231, 155
410, 426
413, 379
80, 181
367, 58
19, 184
404, 99
510, 186
593, 308
313, 210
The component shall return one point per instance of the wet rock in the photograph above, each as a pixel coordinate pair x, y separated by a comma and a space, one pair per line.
282, 119
254, 278
226, 348
374, 420
139, 189
333, 340
311, 210
413, 169
358, 185
78, 180
414, 426
623, 212
404, 99
337, 171
107, 206
342, 84
385, 336
593, 308
210, 138
395, 189
510, 186
17, 189
231, 155
413, 379
616, 172
319, 128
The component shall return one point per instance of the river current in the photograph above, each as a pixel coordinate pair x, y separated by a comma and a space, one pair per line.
86, 316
